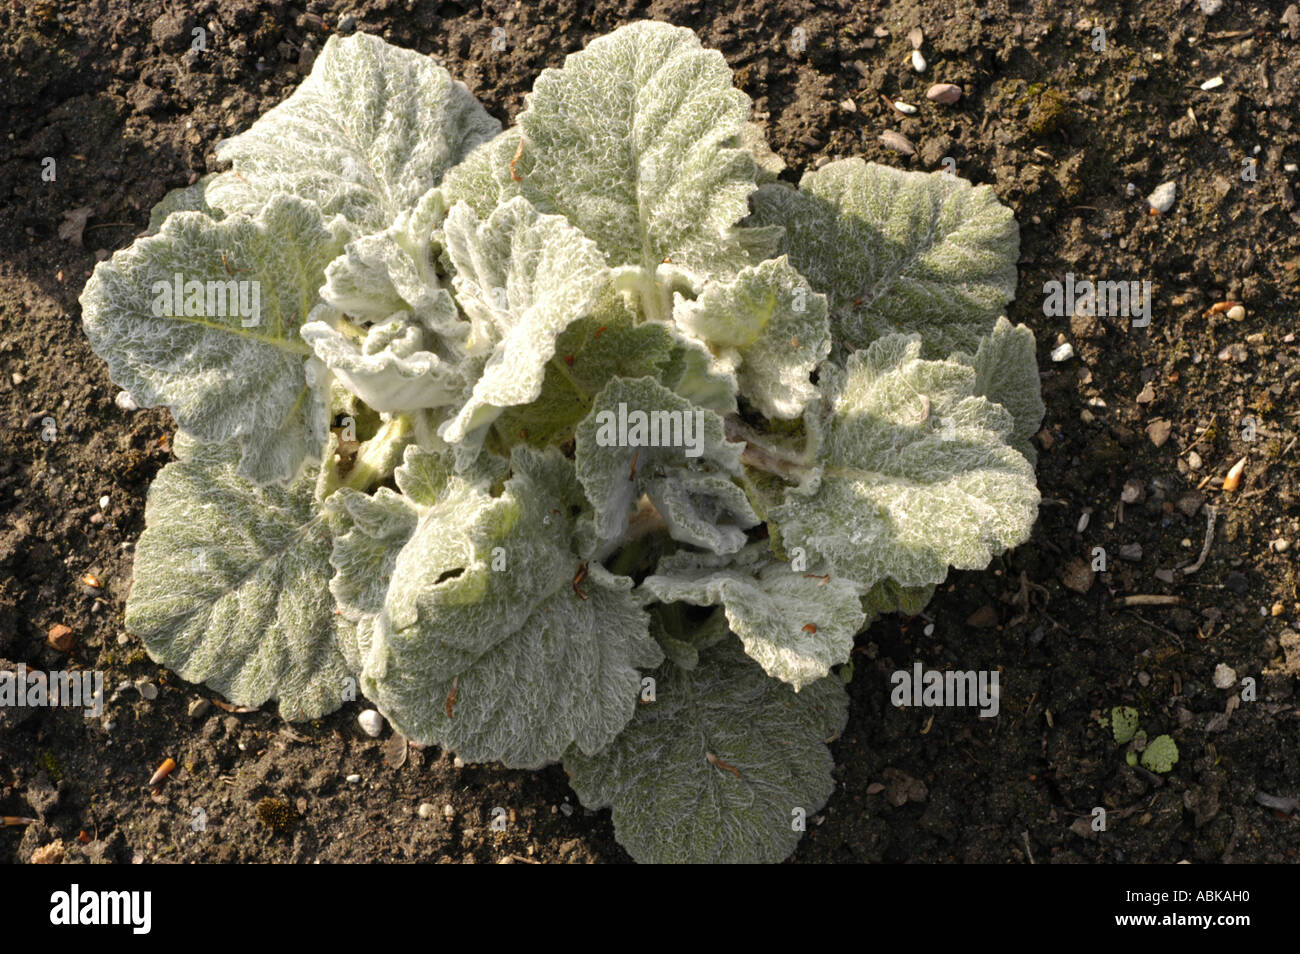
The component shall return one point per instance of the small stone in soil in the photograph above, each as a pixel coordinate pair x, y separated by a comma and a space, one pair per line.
1225, 677
1158, 431
198, 708
353, 779
371, 722
426, 810
1131, 552
125, 402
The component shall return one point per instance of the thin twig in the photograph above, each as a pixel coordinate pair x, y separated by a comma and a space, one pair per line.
1149, 599
1211, 515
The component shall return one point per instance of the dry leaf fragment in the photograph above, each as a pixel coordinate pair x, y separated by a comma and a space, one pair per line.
73, 224
714, 760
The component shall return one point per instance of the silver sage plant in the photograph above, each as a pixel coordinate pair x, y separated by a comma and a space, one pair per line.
408, 473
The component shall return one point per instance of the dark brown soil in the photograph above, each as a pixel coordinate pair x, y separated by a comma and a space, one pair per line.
1059, 129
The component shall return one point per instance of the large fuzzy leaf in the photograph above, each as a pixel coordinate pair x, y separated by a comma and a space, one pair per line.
770, 767
225, 377
773, 323
485, 643
185, 199
232, 585
370, 531
373, 128
634, 141
794, 624
917, 474
895, 251
641, 438
1006, 372
522, 277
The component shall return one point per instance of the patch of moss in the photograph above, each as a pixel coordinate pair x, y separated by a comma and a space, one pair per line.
1050, 112
50, 762
277, 815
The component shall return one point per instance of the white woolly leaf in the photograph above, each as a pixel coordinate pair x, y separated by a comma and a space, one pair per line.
773, 323
634, 141
588, 353
641, 438
770, 766
898, 251
225, 374
916, 473
794, 624
1006, 372
369, 131
232, 585
483, 619
522, 277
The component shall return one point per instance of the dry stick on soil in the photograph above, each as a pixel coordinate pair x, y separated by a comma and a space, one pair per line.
1211, 515
1189, 448
1159, 629
1149, 599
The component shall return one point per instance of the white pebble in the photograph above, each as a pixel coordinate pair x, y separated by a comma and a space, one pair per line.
1211, 7
1237, 313
946, 93
1063, 352
1083, 521
1210, 84
1281, 545
125, 402
426, 810
1162, 199
918, 61
1225, 677
371, 722
353, 779
907, 109
448, 811
1194, 461
104, 502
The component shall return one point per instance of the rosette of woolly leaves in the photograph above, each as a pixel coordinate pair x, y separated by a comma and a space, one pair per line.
168, 315
916, 473
370, 130
641, 438
898, 252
